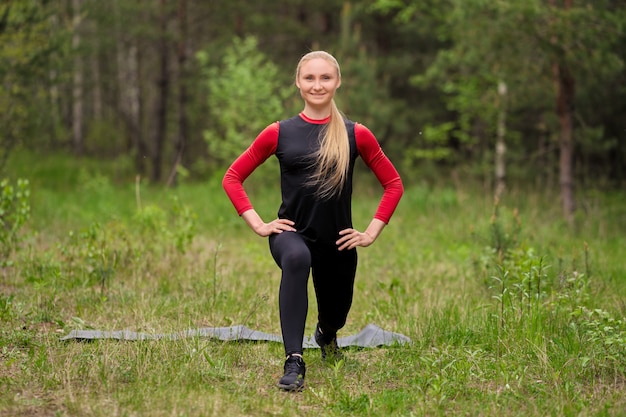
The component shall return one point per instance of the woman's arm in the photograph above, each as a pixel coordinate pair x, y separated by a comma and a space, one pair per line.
388, 176
262, 148
374, 157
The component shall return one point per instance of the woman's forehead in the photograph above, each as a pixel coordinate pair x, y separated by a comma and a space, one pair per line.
317, 65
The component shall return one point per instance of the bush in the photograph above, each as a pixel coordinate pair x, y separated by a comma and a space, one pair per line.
14, 212
245, 95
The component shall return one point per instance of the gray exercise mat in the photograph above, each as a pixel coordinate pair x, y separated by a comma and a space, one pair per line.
370, 336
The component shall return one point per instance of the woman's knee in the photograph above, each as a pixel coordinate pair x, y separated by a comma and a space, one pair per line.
290, 251
296, 258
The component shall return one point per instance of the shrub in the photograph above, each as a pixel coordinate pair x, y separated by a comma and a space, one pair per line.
14, 212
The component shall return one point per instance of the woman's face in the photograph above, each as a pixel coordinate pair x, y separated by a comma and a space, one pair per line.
318, 79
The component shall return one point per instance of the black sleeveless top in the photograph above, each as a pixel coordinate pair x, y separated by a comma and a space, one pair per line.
318, 220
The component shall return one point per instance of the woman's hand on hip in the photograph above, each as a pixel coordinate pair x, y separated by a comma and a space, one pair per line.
351, 238
275, 226
265, 229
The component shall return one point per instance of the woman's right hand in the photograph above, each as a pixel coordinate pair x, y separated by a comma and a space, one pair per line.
275, 226
265, 229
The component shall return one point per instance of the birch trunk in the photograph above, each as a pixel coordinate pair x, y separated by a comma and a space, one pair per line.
500, 160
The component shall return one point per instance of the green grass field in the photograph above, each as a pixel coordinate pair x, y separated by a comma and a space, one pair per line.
510, 310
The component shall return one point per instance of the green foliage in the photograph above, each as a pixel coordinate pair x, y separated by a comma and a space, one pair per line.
409, 66
364, 95
484, 49
245, 94
604, 336
99, 254
6, 307
92, 255
434, 146
536, 303
14, 212
185, 225
178, 226
517, 43
105, 138
29, 40
371, 106
429, 66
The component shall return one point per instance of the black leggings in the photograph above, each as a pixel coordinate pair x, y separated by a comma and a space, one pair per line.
333, 274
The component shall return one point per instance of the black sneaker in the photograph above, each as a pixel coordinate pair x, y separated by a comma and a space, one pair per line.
293, 380
328, 345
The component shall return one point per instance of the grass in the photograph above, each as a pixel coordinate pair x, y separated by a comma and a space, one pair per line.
511, 312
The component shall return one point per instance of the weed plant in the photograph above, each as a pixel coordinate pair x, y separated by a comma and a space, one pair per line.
510, 311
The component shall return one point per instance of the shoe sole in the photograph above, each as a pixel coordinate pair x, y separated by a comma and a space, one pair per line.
292, 387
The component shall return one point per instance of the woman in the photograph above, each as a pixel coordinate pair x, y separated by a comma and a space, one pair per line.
313, 233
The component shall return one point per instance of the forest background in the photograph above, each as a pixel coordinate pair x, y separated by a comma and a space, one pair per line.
528, 92
118, 119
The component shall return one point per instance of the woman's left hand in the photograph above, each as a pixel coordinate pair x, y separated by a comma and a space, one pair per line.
351, 238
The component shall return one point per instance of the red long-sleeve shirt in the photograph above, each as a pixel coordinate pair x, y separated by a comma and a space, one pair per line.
293, 141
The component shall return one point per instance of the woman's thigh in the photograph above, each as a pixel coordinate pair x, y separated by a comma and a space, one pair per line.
290, 251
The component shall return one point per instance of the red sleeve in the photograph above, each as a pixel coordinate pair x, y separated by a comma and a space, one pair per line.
374, 157
262, 148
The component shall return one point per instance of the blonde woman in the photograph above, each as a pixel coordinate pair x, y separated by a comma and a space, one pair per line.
313, 231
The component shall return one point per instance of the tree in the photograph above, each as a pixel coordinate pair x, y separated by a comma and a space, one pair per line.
423, 74
526, 44
183, 119
565, 98
500, 159
77, 79
245, 95
580, 43
372, 106
163, 83
29, 42
129, 103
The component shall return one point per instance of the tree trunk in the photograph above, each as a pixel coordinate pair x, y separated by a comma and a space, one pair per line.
129, 88
77, 81
565, 92
183, 120
96, 85
120, 51
565, 109
162, 98
136, 106
500, 160
53, 93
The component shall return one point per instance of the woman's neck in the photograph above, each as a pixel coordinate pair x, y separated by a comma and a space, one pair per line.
314, 121
316, 113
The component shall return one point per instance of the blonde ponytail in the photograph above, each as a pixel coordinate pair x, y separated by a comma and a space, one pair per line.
333, 158
332, 161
